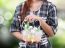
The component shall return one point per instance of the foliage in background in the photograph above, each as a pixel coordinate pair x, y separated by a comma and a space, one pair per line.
7, 8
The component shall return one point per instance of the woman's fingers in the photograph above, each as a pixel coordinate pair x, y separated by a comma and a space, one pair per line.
33, 18
26, 39
28, 18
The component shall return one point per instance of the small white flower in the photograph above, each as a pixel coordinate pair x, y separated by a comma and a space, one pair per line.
30, 27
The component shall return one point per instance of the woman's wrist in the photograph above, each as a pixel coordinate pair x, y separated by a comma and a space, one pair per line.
40, 19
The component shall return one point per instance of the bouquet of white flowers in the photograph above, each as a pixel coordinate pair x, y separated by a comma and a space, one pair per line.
32, 31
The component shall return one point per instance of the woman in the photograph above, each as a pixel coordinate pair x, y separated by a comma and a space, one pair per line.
44, 12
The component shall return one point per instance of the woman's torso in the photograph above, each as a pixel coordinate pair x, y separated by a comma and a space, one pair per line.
42, 12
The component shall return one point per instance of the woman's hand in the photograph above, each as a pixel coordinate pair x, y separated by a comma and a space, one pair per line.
36, 40
31, 39
31, 18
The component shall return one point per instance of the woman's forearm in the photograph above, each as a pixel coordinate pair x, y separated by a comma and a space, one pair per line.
18, 35
48, 30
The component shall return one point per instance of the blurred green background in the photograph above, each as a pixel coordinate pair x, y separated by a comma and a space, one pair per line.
7, 8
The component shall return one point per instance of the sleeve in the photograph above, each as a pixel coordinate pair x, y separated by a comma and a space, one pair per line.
15, 26
52, 18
